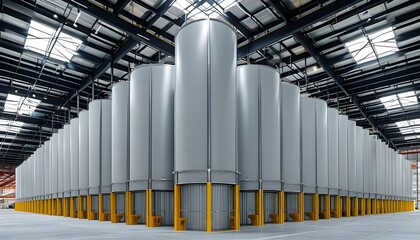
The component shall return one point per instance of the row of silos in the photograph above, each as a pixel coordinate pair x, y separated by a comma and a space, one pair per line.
220, 146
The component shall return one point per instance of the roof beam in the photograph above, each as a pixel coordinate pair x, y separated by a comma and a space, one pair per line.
120, 5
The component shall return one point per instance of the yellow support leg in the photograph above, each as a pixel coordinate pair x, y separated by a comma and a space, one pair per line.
259, 202
362, 207
59, 207
113, 208
101, 207
355, 211
301, 207
281, 208
177, 207
72, 210
348, 207
209, 207
315, 207
327, 205
336, 213
129, 208
149, 208
236, 207
90, 215
65, 207
80, 211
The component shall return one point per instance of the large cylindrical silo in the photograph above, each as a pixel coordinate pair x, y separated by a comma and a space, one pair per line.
47, 177
99, 156
351, 157
152, 143
74, 165
53, 172
60, 166
333, 151
66, 171
290, 150
120, 148
83, 163
258, 101
314, 154
205, 158
360, 143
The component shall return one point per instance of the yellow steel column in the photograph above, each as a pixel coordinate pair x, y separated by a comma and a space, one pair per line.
281, 207
89, 210
149, 208
177, 206
72, 212
236, 207
80, 211
209, 207
101, 215
337, 211
368, 206
113, 207
129, 208
315, 207
259, 202
362, 207
348, 206
59, 207
355, 211
327, 205
301, 207
65, 207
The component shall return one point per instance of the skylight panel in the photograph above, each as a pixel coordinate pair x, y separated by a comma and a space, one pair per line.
21, 105
408, 98
40, 39
382, 42
390, 102
10, 126
400, 100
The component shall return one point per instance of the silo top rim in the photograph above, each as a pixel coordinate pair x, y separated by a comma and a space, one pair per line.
204, 19
153, 65
314, 99
99, 100
119, 83
258, 65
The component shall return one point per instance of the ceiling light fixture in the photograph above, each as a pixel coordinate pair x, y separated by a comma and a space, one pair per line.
97, 30
77, 18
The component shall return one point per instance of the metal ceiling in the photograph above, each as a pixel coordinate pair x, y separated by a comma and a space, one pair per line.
291, 35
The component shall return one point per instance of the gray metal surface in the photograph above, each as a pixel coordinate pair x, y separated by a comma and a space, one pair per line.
163, 205
360, 145
333, 170
290, 136
60, 162
139, 205
205, 103
120, 136
351, 155
313, 122
258, 97
106, 145
151, 127
342, 154
66, 160
54, 167
94, 146
83, 152
74, 156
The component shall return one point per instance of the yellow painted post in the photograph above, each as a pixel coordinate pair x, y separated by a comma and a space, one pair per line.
209, 207
59, 207
355, 211
301, 207
336, 212
149, 208
315, 207
348, 206
327, 211
129, 208
236, 206
80, 211
113, 207
101, 215
65, 208
281, 207
177, 206
72, 215
362, 207
259, 201
89, 210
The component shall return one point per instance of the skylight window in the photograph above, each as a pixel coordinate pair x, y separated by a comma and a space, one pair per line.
205, 9
10, 126
409, 127
41, 38
399, 100
375, 45
21, 105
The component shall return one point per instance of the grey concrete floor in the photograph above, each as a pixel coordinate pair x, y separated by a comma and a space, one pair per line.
18, 225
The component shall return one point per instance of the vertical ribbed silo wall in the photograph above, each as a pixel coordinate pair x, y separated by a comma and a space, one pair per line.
333, 169
342, 154
74, 157
83, 152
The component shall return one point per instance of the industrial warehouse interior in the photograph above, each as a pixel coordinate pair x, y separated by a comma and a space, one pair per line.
209, 119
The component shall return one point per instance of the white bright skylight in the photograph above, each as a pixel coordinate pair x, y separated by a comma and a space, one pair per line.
10, 126
26, 106
393, 101
40, 38
383, 42
409, 127
203, 10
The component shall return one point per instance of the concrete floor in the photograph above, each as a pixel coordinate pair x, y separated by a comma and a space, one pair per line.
18, 225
